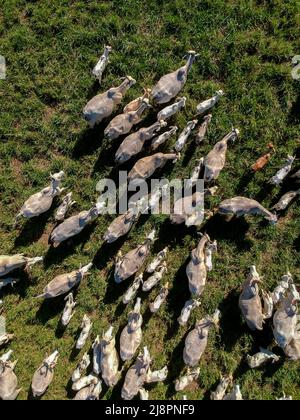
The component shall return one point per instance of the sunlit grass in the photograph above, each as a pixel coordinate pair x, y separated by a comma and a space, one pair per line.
245, 49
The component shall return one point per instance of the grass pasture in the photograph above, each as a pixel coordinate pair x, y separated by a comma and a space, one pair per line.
245, 48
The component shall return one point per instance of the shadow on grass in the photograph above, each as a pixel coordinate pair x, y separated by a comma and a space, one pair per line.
189, 151
233, 231
297, 244
244, 181
114, 290
178, 295
107, 252
50, 308
117, 389
142, 220
30, 396
175, 366
56, 255
120, 309
107, 157
75, 352
294, 112
32, 230
231, 324
266, 192
208, 392
70, 393
271, 368
147, 315
171, 235
19, 288
89, 141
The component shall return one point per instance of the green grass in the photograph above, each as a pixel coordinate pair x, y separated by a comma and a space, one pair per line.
245, 48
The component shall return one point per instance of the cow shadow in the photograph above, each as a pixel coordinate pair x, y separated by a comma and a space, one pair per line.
147, 315
120, 309
70, 393
49, 309
265, 192
178, 295
271, 368
106, 156
89, 140
171, 235
32, 230
190, 151
75, 352
66, 248
231, 324
297, 244
20, 287
294, 112
114, 290
30, 396
245, 180
107, 252
234, 230
175, 366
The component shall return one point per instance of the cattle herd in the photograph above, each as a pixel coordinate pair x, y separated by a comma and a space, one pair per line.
102, 365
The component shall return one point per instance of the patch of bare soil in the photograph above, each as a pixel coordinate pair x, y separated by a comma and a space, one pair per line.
48, 113
45, 236
16, 167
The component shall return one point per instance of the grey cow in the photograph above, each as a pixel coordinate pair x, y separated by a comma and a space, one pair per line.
91, 392
41, 202
139, 374
171, 84
136, 103
203, 129
44, 375
136, 375
109, 360
123, 223
103, 105
184, 135
134, 143
250, 302
123, 123
283, 172
216, 158
209, 103
242, 206
285, 200
286, 326
198, 266
64, 283
64, 207
131, 336
102, 63
158, 141
8, 381
129, 264
196, 340
160, 298
9, 263
171, 110
75, 224
145, 167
